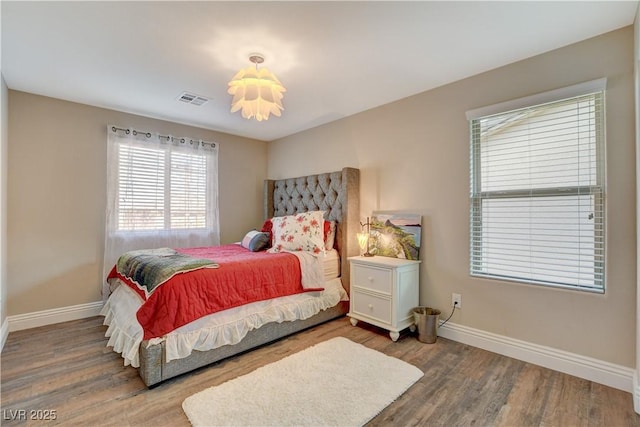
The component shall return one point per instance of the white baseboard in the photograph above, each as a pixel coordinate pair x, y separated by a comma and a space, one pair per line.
56, 315
4, 333
616, 376
609, 374
636, 392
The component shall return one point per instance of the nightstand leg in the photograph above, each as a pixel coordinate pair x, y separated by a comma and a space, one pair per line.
394, 336
354, 322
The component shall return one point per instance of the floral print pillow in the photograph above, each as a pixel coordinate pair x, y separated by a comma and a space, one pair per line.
301, 232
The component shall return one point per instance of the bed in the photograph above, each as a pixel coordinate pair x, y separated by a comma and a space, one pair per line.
159, 359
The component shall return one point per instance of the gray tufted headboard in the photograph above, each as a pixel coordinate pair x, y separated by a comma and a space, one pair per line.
337, 193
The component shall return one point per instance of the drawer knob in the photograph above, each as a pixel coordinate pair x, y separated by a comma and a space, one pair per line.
370, 307
370, 278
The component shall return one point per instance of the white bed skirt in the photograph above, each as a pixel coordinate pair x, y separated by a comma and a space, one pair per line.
223, 328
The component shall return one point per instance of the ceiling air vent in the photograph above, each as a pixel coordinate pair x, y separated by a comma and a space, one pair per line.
190, 98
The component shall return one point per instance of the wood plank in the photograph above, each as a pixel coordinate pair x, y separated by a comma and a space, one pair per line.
67, 368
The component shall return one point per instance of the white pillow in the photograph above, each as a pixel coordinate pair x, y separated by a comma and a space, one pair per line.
300, 232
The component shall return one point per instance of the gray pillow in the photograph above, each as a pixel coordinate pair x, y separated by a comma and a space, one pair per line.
255, 241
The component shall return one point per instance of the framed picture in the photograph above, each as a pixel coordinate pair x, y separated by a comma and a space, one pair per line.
396, 234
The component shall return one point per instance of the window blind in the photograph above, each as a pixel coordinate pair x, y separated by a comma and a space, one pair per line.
161, 190
188, 190
141, 190
537, 211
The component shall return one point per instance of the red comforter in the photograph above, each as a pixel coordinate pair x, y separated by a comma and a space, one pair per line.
242, 278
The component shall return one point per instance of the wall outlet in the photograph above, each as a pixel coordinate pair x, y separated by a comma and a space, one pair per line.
456, 300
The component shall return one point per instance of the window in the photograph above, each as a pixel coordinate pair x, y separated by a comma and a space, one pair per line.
160, 189
537, 189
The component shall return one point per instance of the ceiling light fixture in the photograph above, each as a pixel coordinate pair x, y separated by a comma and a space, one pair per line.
257, 92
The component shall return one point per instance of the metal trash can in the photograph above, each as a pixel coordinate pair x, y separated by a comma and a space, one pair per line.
426, 320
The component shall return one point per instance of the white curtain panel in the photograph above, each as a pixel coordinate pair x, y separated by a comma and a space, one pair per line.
162, 191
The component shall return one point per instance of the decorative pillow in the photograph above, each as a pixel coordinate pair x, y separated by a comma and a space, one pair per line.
267, 227
329, 234
300, 232
256, 241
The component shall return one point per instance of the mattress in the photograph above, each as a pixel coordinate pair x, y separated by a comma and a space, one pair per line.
227, 327
331, 265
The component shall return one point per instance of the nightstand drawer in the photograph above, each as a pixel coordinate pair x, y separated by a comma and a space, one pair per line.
378, 308
377, 279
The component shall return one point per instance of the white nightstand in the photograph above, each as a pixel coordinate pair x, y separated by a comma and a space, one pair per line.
383, 292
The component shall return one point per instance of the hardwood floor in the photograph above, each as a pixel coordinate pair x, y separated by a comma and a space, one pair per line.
65, 370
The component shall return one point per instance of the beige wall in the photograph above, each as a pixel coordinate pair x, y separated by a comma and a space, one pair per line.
414, 156
4, 140
636, 56
57, 190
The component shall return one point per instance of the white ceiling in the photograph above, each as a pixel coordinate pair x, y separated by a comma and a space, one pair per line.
335, 58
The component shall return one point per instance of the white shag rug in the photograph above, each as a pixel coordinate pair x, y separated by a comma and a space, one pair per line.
334, 383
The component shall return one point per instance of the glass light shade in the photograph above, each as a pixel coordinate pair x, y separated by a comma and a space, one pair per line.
363, 241
258, 93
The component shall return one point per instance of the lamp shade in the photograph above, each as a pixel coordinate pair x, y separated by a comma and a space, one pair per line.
363, 240
258, 93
